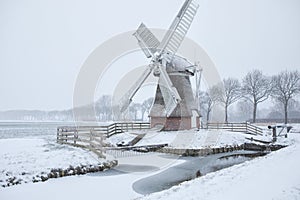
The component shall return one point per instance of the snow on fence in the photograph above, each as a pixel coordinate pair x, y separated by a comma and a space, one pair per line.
93, 137
236, 127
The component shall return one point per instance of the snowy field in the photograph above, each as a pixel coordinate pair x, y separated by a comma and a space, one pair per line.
275, 176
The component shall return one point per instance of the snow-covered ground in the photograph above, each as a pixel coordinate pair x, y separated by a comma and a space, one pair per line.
27, 158
275, 176
110, 184
199, 139
124, 138
186, 139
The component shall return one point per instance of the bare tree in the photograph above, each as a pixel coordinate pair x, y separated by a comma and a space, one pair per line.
293, 110
104, 108
206, 105
243, 110
286, 86
134, 108
256, 89
207, 101
228, 93
146, 105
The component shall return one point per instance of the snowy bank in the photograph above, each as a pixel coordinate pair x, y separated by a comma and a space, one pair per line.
111, 184
33, 160
275, 176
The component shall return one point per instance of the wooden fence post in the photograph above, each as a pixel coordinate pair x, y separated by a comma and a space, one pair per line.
75, 136
66, 138
91, 135
57, 135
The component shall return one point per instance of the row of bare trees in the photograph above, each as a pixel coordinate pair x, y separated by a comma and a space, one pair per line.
137, 111
256, 88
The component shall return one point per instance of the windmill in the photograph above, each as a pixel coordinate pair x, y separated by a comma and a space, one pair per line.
174, 105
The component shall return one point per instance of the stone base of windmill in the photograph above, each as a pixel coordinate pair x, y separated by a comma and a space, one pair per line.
175, 123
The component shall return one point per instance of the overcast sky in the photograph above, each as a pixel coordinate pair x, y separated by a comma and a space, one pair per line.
43, 44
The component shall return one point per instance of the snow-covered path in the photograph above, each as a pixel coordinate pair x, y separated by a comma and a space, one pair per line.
275, 176
191, 139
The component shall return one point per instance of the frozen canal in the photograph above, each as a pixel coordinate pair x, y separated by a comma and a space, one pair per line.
188, 170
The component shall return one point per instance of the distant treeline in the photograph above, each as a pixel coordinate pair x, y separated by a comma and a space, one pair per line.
101, 110
37, 115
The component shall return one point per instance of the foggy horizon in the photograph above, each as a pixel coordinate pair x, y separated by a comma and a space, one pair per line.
44, 44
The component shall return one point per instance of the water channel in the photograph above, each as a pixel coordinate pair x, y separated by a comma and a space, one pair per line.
190, 169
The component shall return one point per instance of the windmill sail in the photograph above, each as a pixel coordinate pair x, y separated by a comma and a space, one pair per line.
164, 53
169, 92
178, 29
147, 40
127, 98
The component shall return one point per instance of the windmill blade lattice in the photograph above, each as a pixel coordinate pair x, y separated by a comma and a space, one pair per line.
146, 40
169, 92
127, 98
178, 29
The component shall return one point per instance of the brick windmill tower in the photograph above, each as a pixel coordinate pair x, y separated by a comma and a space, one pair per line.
174, 105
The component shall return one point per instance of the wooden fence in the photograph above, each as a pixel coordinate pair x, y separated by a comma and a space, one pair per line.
236, 127
92, 137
